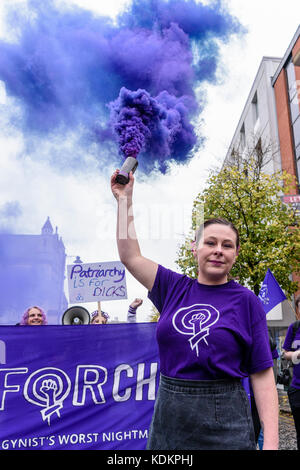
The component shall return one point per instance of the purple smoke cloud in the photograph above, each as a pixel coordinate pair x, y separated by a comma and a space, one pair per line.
9, 212
158, 127
133, 113
68, 70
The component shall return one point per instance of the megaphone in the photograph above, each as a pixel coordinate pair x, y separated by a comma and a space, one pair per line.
76, 316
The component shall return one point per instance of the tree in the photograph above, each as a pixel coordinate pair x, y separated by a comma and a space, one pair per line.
244, 193
154, 316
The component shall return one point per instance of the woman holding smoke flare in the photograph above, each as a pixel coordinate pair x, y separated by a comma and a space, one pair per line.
211, 333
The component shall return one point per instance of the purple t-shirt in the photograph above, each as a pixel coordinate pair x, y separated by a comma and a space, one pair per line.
208, 332
291, 344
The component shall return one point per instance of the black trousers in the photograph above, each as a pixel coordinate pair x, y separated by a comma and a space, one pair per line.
294, 399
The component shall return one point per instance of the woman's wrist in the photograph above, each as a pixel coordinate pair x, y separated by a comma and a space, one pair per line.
132, 310
270, 444
125, 200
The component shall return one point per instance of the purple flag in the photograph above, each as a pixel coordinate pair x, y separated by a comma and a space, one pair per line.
270, 293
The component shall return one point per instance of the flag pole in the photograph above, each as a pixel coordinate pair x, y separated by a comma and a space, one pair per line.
292, 308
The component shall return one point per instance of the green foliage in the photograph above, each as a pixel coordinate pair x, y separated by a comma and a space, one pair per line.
154, 317
269, 230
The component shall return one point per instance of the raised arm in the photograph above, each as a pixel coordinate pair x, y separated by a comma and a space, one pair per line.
143, 269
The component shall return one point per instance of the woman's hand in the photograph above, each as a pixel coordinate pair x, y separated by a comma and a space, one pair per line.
121, 190
136, 303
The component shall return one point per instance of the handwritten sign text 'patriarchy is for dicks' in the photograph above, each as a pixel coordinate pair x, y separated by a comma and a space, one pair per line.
90, 282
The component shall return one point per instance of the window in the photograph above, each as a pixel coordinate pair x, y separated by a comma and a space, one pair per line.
293, 85
255, 109
243, 137
298, 163
296, 128
295, 110
298, 152
258, 149
291, 78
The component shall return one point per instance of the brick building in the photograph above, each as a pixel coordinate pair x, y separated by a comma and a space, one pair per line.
272, 115
286, 85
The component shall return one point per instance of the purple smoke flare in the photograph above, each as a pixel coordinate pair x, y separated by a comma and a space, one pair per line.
133, 113
158, 127
66, 67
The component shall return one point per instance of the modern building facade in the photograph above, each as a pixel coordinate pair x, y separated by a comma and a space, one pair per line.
258, 121
271, 117
32, 273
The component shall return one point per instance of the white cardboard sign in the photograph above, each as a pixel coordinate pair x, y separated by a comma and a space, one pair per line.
95, 282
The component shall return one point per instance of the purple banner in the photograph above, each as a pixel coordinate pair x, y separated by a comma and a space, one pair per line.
77, 387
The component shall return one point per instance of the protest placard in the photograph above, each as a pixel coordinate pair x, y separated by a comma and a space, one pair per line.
94, 282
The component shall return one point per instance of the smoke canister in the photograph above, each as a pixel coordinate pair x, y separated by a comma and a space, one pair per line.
129, 165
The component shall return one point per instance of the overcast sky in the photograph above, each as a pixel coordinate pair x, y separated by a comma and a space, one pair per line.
81, 205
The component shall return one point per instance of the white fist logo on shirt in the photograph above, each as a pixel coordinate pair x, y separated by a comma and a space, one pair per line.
196, 321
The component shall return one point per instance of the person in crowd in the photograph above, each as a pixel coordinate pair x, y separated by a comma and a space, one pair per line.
99, 319
34, 316
211, 333
131, 314
291, 352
